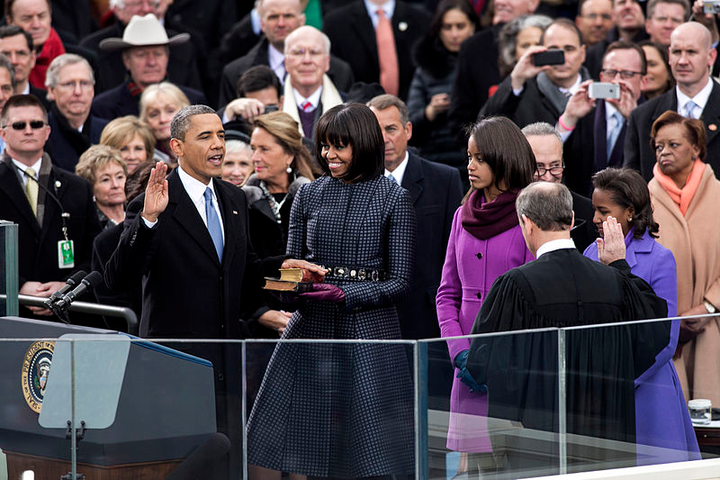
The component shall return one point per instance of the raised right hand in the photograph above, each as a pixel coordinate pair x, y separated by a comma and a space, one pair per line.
156, 193
525, 69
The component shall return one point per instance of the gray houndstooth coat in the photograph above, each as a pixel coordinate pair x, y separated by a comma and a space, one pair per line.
342, 410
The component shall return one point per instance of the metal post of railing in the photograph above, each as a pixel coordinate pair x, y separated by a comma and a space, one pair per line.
10, 264
562, 401
86, 307
421, 410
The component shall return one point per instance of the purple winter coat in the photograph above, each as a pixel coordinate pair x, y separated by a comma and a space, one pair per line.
661, 416
471, 266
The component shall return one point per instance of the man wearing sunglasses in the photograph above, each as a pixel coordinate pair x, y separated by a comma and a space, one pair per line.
53, 208
594, 129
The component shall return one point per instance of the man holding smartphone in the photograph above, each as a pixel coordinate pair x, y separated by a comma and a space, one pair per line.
593, 129
539, 86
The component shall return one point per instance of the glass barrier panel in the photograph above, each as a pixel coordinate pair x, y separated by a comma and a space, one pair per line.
8, 268
500, 417
27, 442
338, 409
627, 386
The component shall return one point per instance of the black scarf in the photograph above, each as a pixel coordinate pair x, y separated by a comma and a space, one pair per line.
79, 141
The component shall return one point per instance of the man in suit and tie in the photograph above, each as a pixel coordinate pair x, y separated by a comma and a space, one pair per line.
695, 95
376, 38
308, 91
594, 130
278, 19
52, 207
186, 240
436, 192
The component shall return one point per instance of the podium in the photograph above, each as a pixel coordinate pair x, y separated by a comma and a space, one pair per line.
145, 407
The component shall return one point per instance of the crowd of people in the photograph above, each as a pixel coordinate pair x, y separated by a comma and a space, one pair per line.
176, 149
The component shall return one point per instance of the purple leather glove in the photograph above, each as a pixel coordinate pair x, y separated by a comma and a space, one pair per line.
324, 292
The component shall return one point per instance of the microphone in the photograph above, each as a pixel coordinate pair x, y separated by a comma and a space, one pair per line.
71, 282
88, 283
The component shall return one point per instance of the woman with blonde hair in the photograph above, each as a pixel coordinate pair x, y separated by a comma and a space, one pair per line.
106, 171
132, 137
158, 105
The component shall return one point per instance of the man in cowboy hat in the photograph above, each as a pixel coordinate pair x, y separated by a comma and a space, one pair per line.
145, 50
183, 66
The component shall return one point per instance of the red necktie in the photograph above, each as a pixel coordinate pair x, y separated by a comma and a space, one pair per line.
306, 106
389, 72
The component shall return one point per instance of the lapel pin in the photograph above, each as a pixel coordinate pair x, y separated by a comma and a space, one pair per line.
58, 184
235, 212
712, 127
402, 26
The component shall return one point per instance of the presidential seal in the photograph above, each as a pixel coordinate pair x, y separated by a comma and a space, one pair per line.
35, 371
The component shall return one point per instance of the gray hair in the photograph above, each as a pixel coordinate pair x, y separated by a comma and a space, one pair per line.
5, 63
181, 121
232, 146
507, 38
548, 205
381, 102
52, 77
542, 129
307, 28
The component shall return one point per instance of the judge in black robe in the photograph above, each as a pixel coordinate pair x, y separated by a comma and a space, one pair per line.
563, 289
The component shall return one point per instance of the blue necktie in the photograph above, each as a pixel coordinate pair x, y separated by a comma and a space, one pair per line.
613, 133
213, 223
689, 108
390, 177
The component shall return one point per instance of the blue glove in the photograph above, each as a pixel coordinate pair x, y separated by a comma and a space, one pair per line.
464, 374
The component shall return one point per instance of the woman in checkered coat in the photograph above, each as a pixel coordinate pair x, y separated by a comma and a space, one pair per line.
343, 410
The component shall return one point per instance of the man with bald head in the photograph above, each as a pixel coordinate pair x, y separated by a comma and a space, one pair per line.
278, 19
696, 95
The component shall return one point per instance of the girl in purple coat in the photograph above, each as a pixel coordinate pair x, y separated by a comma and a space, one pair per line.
485, 242
661, 416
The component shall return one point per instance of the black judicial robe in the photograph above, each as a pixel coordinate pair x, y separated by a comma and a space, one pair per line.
564, 289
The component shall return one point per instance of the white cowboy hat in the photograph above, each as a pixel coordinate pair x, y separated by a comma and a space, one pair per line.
142, 32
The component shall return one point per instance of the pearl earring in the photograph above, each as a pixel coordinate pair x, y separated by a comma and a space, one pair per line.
288, 169
630, 219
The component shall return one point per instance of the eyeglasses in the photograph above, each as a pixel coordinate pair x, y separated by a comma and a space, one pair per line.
624, 74
554, 171
34, 124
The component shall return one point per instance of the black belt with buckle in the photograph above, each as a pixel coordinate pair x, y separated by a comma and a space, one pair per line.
362, 274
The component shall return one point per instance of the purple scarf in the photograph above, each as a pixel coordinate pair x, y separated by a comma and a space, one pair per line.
484, 220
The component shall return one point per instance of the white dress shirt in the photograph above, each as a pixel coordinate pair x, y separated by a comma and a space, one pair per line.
399, 171
552, 245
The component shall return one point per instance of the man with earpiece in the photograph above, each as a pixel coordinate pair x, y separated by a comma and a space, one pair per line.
53, 208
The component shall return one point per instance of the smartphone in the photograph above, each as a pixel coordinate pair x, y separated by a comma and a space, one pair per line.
711, 6
271, 108
549, 57
604, 90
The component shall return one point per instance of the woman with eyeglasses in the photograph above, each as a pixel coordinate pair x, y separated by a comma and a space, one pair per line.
485, 242
624, 195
